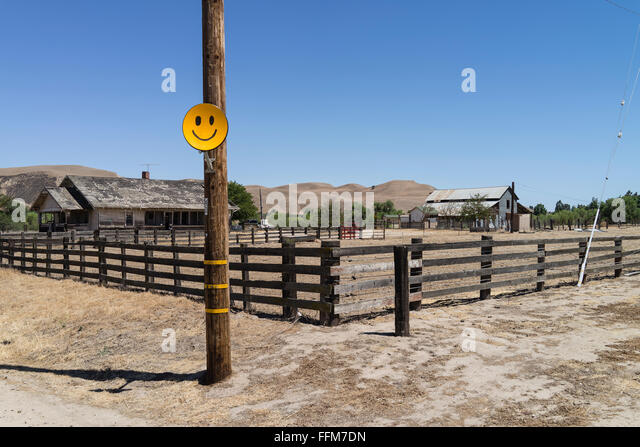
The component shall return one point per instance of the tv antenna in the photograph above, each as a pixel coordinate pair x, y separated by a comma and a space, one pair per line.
148, 165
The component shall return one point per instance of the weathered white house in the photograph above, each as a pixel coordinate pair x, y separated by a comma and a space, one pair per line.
90, 203
501, 200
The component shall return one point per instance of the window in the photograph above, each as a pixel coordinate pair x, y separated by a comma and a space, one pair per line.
508, 204
148, 218
128, 218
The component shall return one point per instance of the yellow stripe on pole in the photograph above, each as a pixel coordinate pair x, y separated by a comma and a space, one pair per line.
216, 286
220, 262
217, 311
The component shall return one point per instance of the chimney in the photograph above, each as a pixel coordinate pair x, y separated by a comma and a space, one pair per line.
146, 175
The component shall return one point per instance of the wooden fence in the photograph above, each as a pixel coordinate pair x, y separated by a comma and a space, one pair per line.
332, 280
191, 238
162, 268
409, 281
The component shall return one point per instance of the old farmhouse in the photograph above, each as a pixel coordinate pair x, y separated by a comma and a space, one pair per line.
90, 203
501, 200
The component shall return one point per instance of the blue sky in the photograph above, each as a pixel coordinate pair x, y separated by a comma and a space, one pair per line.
334, 91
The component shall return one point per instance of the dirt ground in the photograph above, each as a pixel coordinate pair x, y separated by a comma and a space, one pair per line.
564, 356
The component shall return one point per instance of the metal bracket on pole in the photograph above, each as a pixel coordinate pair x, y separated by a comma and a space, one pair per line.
209, 161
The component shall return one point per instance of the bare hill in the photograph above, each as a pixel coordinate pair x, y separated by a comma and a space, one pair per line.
405, 194
27, 182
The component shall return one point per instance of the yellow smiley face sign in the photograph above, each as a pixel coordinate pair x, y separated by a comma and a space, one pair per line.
205, 127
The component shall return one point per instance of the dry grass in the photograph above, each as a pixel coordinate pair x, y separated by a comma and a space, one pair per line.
561, 357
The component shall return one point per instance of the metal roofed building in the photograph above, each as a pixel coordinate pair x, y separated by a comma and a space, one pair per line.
500, 199
90, 203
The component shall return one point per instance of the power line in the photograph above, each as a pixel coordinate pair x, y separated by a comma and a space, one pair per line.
612, 155
554, 194
623, 7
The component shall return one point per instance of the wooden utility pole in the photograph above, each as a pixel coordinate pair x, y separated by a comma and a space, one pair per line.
216, 246
513, 205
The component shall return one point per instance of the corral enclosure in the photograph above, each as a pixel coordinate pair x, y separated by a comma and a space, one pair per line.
330, 280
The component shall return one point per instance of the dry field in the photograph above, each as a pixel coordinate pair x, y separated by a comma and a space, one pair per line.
564, 356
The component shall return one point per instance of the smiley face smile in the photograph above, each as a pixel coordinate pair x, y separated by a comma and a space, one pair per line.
204, 139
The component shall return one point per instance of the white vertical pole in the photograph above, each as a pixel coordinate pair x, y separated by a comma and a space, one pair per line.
586, 255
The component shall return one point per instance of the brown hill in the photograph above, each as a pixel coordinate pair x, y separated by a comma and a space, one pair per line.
27, 182
405, 194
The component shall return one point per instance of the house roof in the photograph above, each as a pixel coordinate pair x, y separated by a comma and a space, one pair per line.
61, 196
524, 209
464, 194
453, 209
129, 193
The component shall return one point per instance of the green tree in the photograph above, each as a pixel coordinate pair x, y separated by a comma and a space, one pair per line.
539, 210
562, 206
475, 209
383, 208
240, 197
6, 221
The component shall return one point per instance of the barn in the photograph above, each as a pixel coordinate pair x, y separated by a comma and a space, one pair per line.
501, 200
91, 203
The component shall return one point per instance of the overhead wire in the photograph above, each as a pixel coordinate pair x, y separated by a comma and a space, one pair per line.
622, 118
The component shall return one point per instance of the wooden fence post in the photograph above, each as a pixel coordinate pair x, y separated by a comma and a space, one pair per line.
416, 271
101, 261
146, 266
176, 271
151, 267
288, 278
401, 268
327, 261
253, 236
123, 265
618, 259
582, 252
542, 253
23, 257
486, 251
136, 235
246, 290
34, 259
12, 253
155, 236
48, 257
82, 260
65, 257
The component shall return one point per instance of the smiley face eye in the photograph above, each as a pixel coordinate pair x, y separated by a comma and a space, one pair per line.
198, 120
211, 120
